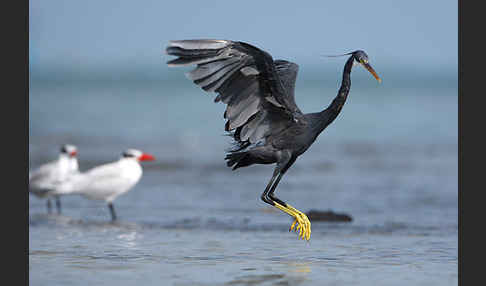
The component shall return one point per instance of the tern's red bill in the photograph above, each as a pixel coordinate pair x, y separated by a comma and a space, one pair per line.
146, 157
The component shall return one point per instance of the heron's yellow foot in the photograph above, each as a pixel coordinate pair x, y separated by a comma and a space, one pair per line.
301, 222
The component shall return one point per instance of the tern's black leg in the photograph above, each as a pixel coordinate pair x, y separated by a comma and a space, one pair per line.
112, 211
49, 206
58, 204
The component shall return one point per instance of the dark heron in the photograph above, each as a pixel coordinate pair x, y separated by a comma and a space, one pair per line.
262, 117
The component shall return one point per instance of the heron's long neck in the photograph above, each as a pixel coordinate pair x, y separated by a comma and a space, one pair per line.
332, 111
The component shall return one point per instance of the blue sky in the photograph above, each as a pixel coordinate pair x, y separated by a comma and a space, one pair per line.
90, 35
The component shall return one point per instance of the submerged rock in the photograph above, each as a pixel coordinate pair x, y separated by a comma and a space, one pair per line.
316, 215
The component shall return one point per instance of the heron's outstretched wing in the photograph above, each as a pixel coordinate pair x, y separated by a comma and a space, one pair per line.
257, 90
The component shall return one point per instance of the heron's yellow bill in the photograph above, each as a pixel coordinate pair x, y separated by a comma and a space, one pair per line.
372, 71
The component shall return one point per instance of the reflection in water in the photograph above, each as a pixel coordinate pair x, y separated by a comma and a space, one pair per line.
258, 279
129, 240
299, 267
294, 273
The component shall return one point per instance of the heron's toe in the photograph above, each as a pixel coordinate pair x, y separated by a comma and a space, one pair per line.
302, 224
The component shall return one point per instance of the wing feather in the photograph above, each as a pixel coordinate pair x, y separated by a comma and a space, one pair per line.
258, 92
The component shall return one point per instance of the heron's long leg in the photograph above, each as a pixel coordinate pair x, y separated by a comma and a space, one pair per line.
112, 211
271, 200
301, 220
269, 197
272, 190
58, 204
264, 195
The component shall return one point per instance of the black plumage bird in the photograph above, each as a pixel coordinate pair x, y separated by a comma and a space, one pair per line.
262, 116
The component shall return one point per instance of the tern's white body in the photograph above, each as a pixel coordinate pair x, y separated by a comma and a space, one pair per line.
104, 182
44, 180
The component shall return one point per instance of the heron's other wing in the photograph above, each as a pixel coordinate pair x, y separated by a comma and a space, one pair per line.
246, 79
287, 71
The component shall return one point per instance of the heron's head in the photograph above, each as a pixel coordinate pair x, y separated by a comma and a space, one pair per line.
362, 58
137, 155
70, 150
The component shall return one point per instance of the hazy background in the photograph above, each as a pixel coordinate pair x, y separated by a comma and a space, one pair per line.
112, 39
98, 79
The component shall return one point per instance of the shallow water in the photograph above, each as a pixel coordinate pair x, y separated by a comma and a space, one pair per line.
389, 161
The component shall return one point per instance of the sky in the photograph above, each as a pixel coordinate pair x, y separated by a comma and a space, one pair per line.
108, 35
